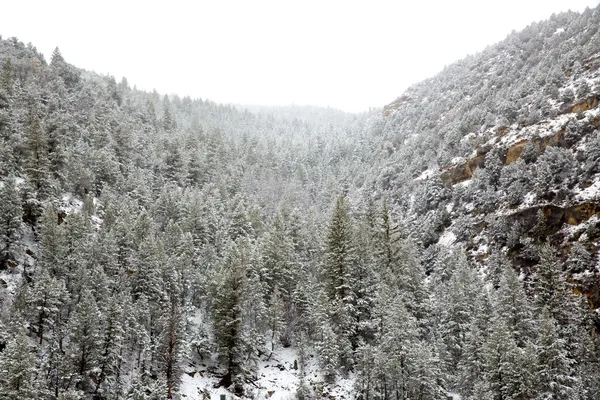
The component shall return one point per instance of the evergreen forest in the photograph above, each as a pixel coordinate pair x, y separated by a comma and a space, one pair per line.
443, 247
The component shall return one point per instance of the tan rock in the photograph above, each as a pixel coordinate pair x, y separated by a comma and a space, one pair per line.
587, 104
514, 152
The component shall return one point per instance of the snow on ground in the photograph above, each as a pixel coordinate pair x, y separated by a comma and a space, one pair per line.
448, 238
69, 204
528, 200
590, 193
428, 173
10, 279
9, 282
541, 129
457, 160
464, 183
516, 134
276, 379
482, 250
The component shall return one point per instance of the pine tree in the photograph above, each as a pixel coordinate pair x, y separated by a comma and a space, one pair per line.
7, 77
11, 215
175, 163
387, 237
69, 75
458, 310
366, 381
366, 275
141, 333
410, 281
86, 339
279, 258
552, 291
471, 366
514, 307
276, 318
329, 351
231, 313
37, 163
172, 346
340, 279
507, 373
554, 368
281, 276
57, 367
240, 225
497, 262
148, 280
168, 123
111, 353
581, 263
45, 300
426, 381
340, 254
56, 59
397, 340
18, 372
588, 363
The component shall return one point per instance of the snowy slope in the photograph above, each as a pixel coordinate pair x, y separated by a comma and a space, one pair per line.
276, 378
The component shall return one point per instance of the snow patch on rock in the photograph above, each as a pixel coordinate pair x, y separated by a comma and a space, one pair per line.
447, 239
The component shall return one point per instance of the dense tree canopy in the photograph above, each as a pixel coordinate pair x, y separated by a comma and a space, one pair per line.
418, 251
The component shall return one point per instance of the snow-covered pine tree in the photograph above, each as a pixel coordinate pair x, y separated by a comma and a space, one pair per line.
339, 277
234, 318
86, 340
508, 373
19, 376
457, 311
515, 308
554, 367
397, 340
45, 300
110, 379
472, 365
7, 77
11, 214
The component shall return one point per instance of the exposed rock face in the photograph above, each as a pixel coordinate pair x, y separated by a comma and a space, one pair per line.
596, 122
587, 104
528, 217
462, 172
556, 216
575, 215
387, 110
514, 152
455, 175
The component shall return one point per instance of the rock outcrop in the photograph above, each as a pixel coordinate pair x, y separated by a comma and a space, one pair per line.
556, 216
389, 109
588, 104
464, 171
513, 153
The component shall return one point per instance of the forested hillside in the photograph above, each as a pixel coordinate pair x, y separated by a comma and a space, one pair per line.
162, 247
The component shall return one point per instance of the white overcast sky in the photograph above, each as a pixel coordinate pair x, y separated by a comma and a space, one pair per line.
346, 54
